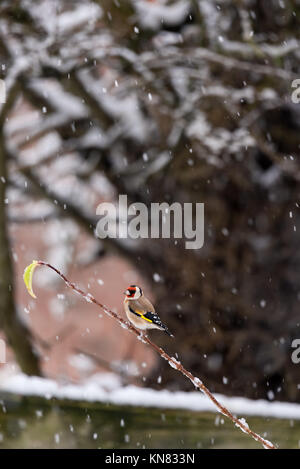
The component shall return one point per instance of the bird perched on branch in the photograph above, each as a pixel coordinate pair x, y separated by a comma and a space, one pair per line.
141, 312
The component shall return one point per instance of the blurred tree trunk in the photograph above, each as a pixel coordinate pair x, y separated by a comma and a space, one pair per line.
17, 334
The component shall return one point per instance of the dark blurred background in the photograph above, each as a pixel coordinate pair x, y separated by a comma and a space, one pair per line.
175, 101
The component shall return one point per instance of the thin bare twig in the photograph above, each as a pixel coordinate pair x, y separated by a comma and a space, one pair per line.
171, 360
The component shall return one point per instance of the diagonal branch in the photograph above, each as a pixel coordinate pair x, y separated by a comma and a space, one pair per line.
240, 423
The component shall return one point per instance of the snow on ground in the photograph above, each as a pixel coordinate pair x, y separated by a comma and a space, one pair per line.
106, 387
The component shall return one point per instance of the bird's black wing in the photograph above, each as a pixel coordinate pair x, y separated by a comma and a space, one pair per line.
153, 317
150, 316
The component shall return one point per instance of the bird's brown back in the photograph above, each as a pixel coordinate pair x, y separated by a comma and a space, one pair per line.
142, 304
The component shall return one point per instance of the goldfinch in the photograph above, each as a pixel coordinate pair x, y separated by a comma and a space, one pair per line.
141, 312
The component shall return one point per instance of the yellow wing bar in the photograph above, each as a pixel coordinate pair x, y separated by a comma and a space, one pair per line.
142, 316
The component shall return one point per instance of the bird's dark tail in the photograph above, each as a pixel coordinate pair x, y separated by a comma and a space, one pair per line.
167, 331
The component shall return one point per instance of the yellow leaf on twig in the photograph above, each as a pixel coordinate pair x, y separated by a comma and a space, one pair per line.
28, 275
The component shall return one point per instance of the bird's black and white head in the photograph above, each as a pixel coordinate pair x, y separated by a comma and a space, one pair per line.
133, 292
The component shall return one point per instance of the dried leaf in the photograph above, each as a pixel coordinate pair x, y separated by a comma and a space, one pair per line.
28, 275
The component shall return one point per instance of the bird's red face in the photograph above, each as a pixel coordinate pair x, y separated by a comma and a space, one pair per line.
133, 292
